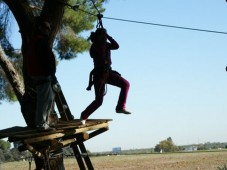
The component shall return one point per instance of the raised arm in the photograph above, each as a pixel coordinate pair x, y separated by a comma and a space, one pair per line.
113, 44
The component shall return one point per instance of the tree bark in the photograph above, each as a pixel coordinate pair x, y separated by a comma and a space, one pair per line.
25, 19
53, 12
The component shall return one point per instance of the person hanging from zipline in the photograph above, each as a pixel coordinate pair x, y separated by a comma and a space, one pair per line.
103, 74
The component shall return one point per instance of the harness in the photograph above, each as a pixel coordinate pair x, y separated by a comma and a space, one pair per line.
96, 71
99, 71
91, 81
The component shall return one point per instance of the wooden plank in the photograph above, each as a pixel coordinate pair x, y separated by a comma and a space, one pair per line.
66, 142
77, 121
77, 125
23, 132
14, 130
67, 130
89, 128
62, 134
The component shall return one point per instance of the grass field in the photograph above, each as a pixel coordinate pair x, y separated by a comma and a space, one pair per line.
174, 161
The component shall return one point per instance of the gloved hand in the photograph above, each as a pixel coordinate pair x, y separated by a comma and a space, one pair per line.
55, 85
54, 79
108, 37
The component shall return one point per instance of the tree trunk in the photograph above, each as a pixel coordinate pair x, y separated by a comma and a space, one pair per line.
56, 163
52, 12
25, 19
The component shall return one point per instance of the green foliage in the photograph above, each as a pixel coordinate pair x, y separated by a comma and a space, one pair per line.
222, 168
13, 155
8, 156
157, 148
2, 94
70, 42
4, 23
6, 91
166, 146
213, 145
2, 157
4, 145
67, 151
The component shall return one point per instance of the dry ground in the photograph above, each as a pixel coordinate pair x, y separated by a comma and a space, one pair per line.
174, 161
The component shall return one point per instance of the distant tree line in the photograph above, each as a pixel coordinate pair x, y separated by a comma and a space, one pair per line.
209, 145
8, 154
166, 146
169, 146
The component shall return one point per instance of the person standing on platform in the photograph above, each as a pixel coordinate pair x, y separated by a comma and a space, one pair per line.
41, 67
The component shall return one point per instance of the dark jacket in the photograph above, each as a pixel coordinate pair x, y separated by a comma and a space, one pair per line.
101, 52
40, 58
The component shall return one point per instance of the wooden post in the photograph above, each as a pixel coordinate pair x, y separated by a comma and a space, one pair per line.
85, 156
78, 156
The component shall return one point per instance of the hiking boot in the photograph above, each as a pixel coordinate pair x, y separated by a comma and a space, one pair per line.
124, 111
44, 127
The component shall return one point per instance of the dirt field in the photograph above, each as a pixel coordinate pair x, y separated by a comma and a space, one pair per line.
174, 161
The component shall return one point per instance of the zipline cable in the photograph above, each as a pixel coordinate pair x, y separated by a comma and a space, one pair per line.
100, 16
164, 25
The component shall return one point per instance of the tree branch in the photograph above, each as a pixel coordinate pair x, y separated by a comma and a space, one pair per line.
12, 75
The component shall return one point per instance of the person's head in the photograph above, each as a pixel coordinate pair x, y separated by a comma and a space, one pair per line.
99, 35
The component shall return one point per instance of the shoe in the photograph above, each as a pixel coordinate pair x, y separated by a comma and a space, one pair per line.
83, 122
124, 111
82, 119
44, 127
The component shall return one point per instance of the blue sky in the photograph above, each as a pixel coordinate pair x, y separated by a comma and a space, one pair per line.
178, 79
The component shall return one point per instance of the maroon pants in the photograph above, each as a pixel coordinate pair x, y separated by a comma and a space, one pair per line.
114, 79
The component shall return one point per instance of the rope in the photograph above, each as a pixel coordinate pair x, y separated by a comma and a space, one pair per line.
99, 16
95, 6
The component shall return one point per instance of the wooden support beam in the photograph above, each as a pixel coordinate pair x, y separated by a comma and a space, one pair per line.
66, 142
62, 105
78, 156
97, 132
92, 134
34, 151
86, 156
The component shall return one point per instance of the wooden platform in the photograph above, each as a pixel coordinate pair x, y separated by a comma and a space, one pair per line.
47, 145
63, 129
